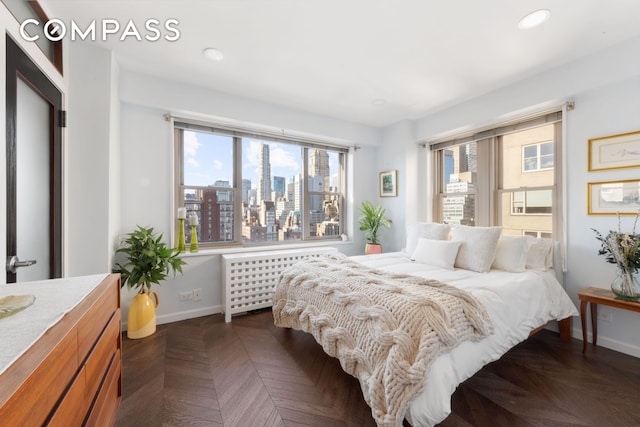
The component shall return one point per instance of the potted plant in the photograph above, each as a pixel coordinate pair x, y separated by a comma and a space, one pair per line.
148, 261
370, 222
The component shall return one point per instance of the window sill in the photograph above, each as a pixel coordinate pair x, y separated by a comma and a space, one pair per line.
249, 249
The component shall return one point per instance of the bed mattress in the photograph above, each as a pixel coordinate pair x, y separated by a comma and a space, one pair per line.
517, 304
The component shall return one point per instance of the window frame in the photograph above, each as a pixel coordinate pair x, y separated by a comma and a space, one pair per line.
180, 125
525, 191
538, 157
489, 193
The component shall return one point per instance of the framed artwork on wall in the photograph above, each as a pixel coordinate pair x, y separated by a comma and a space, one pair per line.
615, 151
389, 183
614, 197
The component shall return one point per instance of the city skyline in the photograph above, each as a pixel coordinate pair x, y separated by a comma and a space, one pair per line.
209, 158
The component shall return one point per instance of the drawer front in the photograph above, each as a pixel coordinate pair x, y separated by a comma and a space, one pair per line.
96, 318
44, 386
74, 405
105, 408
100, 358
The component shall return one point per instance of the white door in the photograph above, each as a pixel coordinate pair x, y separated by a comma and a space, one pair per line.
32, 183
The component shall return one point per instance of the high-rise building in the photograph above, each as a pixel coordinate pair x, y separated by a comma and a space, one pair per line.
319, 164
215, 214
294, 193
449, 168
264, 175
319, 180
316, 201
279, 187
246, 191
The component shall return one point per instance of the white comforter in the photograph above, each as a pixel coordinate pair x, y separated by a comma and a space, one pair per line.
517, 303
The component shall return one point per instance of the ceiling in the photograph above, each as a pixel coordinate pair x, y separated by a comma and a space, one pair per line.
373, 62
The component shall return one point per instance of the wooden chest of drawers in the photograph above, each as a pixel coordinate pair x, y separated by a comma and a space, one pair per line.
72, 375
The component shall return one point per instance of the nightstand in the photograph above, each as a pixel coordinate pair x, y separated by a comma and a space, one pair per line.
595, 296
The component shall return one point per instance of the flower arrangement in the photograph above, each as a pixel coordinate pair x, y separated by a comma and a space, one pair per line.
623, 249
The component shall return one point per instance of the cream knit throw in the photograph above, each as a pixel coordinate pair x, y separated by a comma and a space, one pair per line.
386, 329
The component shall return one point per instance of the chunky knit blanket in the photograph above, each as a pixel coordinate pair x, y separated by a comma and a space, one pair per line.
386, 329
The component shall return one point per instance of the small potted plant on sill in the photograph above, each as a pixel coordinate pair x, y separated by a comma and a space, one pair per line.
370, 222
148, 261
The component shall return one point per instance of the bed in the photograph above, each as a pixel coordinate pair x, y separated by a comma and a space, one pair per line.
517, 302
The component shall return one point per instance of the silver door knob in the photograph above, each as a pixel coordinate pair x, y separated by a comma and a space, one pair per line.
13, 263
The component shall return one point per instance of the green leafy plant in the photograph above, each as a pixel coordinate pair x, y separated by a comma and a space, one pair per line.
371, 220
148, 260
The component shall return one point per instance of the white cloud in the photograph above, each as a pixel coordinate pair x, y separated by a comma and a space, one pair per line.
217, 164
193, 162
191, 143
252, 154
281, 158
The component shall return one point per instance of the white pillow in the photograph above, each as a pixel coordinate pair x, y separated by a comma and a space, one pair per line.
439, 253
478, 248
511, 254
539, 253
428, 230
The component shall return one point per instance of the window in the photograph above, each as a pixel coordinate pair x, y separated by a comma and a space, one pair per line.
258, 189
485, 178
537, 157
459, 176
23, 10
531, 202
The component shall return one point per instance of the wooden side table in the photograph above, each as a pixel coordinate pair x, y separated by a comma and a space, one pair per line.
595, 296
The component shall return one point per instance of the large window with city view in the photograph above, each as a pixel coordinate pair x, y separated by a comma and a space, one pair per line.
249, 189
506, 176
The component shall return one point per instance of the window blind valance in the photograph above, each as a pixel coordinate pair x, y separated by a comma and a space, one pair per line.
497, 131
267, 136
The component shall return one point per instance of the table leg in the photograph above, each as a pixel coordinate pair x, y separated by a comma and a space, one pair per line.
594, 322
583, 320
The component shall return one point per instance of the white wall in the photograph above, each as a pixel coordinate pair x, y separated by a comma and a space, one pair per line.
92, 170
146, 172
606, 91
609, 110
399, 152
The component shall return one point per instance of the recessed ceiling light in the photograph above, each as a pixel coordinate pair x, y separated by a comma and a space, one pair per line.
534, 19
213, 54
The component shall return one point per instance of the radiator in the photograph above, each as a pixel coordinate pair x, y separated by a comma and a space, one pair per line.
250, 278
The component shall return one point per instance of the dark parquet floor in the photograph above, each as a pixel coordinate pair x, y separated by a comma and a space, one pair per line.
203, 372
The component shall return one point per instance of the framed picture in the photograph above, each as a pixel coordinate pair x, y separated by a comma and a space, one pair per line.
614, 197
389, 183
615, 151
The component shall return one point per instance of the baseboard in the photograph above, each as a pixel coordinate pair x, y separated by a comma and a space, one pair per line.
183, 315
609, 343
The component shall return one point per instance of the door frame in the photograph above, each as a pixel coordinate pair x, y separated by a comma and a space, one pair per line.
19, 65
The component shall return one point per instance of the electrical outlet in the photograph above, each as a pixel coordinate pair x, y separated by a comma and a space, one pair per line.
605, 316
197, 294
186, 296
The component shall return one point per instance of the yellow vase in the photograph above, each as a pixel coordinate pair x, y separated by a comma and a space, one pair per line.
141, 321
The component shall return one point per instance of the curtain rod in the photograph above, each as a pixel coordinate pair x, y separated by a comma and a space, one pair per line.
271, 132
546, 116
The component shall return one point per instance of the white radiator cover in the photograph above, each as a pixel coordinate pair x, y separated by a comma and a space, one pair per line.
250, 278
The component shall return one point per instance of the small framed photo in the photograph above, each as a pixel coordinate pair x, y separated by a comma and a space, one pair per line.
614, 197
615, 151
389, 183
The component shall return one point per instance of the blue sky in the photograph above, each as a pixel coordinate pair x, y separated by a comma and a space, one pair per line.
209, 158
